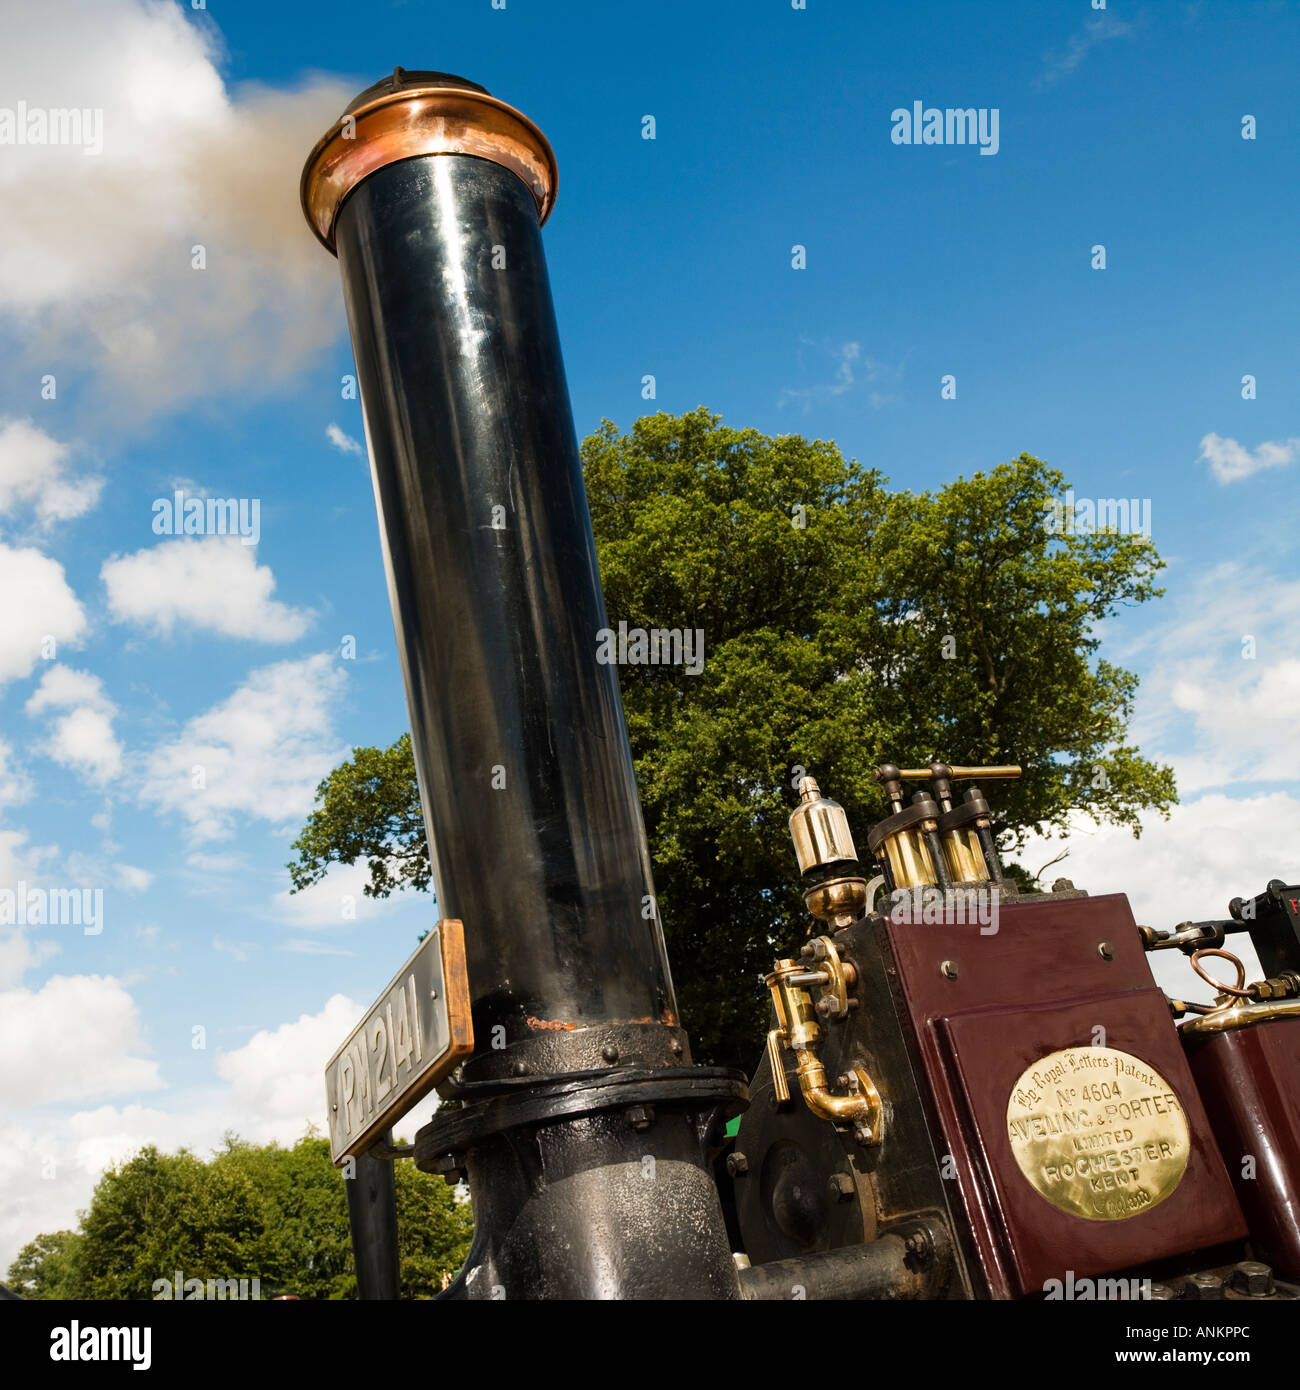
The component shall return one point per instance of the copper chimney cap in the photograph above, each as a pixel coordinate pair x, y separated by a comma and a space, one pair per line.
409, 114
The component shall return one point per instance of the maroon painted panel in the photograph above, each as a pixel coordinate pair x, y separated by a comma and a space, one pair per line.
1250, 1083
1037, 985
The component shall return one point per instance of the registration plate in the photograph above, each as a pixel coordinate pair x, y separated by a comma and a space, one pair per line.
410, 1039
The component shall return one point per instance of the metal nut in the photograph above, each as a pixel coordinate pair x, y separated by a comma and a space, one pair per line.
451, 1166
640, 1116
842, 1187
1203, 1286
737, 1164
1253, 1278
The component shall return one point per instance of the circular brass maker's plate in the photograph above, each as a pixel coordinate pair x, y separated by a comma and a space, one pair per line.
1098, 1132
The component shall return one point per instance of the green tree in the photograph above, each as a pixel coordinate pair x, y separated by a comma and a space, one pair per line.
278, 1215
44, 1267
845, 625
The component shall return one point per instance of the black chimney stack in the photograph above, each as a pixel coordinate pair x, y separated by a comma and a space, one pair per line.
584, 1128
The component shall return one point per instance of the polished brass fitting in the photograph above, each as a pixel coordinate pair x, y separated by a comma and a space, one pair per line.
797, 1028
823, 843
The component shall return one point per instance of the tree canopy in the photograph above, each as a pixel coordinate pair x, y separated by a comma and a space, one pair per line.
278, 1215
845, 624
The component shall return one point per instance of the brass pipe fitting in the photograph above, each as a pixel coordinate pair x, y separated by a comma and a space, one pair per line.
798, 1029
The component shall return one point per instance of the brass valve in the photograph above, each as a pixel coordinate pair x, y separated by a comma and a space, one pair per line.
797, 1028
933, 841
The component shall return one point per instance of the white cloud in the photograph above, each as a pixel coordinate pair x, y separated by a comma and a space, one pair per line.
1097, 30
38, 607
851, 370
77, 1036
1184, 869
344, 443
82, 738
33, 473
262, 751
277, 1079
95, 252
1216, 712
19, 954
337, 900
213, 583
305, 946
132, 880
1230, 462
241, 950
15, 786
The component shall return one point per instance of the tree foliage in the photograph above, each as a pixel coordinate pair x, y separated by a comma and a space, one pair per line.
845, 624
278, 1215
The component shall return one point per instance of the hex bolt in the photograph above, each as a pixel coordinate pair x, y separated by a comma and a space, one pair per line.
1252, 1278
450, 1166
918, 1245
1203, 1286
737, 1164
640, 1116
823, 1008
842, 1187
1160, 1293
949, 970
1106, 950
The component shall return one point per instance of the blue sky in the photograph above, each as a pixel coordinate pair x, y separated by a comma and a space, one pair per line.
669, 257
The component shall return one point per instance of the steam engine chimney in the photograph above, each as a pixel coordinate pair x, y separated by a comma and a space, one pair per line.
584, 1128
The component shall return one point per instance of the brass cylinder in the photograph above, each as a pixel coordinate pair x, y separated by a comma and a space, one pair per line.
819, 829
965, 858
909, 859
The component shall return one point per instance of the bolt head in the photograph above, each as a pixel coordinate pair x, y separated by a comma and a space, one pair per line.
950, 970
640, 1116
1203, 1286
609, 1052
842, 1187
1252, 1278
1106, 950
737, 1164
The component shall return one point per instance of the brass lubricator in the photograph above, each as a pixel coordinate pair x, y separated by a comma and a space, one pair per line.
932, 842
836, 891
797, 1028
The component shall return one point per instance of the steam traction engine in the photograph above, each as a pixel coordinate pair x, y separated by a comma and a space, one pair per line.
970, 1093
1014, 1105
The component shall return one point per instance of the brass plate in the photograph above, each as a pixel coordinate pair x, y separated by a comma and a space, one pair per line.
1098, 1132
